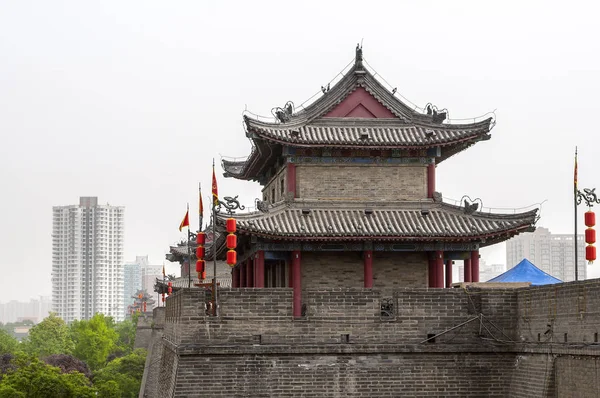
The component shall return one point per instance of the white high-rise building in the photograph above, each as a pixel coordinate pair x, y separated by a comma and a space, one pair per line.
87, 260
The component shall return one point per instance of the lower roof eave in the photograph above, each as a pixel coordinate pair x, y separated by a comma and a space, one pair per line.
482, 239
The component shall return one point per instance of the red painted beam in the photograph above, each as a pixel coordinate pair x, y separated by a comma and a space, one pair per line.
249, 273
448, 273
467, 270
439, 269
259, 269
431, 272
242, 268
297, 276
291, 178
430, 180
475, 266
235, 277
368, 258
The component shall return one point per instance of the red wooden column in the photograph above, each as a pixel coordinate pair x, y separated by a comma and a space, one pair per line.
297, 284
448, 273
249, 273
475, 266
291, 178
467, 270
259, 269
430, 180
439, 269
431, 272
368, 258
235, 277
242, 268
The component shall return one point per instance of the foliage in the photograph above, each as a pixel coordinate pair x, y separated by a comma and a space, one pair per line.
51, 336
68, 363
57, 360
6, 364
35, 379
8, 344
10, 392
126, 336
94, 340
126, 372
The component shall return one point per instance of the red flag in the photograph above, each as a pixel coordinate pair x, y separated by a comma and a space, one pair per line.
575, 178
215, 192
185, 222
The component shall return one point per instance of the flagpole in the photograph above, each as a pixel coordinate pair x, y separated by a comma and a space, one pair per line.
215, 200
189, 252
575, 210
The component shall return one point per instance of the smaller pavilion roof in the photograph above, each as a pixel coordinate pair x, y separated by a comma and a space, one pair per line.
525, 271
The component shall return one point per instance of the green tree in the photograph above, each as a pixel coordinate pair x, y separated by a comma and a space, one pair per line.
126, 331
126, 372
94, 340
8, 344
35, 379
10, 392
51, 336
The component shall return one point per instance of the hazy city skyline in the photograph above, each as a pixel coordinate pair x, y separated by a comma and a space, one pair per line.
130, 102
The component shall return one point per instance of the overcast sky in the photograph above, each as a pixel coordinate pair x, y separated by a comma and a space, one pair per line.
130, 101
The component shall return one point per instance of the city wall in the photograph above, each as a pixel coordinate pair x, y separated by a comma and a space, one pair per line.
360, 343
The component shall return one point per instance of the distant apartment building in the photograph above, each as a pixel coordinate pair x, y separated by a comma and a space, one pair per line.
140, 275
87, 260
35, 310
132, 282
552, 253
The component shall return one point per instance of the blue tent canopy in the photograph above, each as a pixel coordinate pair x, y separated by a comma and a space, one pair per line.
525, 271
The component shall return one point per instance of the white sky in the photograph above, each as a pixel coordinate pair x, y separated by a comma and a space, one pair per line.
130, 101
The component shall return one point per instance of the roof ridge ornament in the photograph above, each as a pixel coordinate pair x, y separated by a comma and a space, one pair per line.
358, 60
284, 114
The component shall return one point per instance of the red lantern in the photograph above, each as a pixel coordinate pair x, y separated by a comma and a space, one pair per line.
144, 306
200, 252
170, 290
201, 238
231, 258
169, 283
203, 274
590, 253
231, 225
231, 241
200, 266
590, 236
590, 218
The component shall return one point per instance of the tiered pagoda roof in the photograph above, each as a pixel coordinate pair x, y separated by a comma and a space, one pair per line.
356, 113
406, 222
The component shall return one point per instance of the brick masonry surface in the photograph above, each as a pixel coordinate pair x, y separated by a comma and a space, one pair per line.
362, 182
511, 343
391, 270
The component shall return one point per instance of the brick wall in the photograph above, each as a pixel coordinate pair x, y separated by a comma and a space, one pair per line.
485, 343
391, 270
344, 375
384, 182
332, 312
555, 313
150, 386
577, 376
